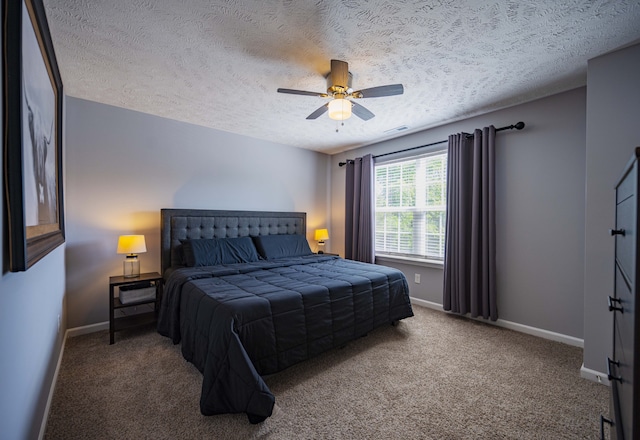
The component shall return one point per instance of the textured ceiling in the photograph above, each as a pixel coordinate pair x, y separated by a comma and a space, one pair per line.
218, 63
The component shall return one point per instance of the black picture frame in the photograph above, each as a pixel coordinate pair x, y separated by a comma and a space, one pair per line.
32, 135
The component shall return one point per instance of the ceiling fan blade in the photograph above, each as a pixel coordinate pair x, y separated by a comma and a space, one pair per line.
302, 92
376, 92
361, 112
321, 111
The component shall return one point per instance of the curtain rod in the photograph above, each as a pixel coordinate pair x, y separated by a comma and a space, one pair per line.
517, 126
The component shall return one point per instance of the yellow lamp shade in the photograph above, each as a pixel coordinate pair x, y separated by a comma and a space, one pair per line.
340, 109
322, 234
131, 244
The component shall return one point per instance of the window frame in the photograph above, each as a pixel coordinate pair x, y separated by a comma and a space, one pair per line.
425, 259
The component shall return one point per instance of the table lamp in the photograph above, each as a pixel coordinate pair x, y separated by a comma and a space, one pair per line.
321, 236
131, 245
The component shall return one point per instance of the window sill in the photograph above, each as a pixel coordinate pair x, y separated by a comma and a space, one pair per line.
412, 261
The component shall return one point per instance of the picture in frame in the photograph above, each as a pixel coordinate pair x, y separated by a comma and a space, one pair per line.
32, 135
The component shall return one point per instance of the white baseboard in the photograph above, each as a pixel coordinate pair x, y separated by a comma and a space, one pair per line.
593, 375
45, 417
546, 334
427, 304
77, 331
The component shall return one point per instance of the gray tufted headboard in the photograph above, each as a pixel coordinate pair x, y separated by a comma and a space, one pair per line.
182, 224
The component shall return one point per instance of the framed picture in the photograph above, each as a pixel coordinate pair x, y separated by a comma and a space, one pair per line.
32, 135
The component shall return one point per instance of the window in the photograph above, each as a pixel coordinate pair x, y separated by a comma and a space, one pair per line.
411, 206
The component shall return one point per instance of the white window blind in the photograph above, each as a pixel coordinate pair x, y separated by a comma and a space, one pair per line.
410, 206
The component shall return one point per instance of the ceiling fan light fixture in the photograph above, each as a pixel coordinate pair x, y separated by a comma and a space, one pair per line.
339, 88
340, 109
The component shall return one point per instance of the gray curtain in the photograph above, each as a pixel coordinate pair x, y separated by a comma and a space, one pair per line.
359, 210
470, 243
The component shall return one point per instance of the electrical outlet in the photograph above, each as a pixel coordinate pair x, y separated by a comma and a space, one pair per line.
417, 278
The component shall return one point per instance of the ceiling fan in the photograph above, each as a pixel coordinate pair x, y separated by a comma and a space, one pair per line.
342, 96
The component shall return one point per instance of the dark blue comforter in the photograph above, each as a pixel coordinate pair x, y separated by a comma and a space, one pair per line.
240, 321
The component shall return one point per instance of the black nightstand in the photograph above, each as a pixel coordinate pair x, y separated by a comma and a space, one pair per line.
144, 280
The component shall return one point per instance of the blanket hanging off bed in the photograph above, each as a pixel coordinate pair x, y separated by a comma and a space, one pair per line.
237, 322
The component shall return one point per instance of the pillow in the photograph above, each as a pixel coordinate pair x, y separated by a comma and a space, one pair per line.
177, 256
282, 246
214, 251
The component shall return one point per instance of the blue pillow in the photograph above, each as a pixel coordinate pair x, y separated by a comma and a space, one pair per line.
214, 251
282, 246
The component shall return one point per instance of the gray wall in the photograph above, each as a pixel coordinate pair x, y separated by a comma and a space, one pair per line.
613, 116
30, 343
124, 166
540, 211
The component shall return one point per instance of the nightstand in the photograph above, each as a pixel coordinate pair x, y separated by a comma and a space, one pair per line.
131, 315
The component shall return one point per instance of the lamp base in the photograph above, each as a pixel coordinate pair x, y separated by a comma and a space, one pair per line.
131, 266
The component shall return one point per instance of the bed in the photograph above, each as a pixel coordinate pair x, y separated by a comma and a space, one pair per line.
245, 297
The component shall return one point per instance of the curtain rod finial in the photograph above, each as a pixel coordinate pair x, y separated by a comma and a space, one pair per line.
519, 125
